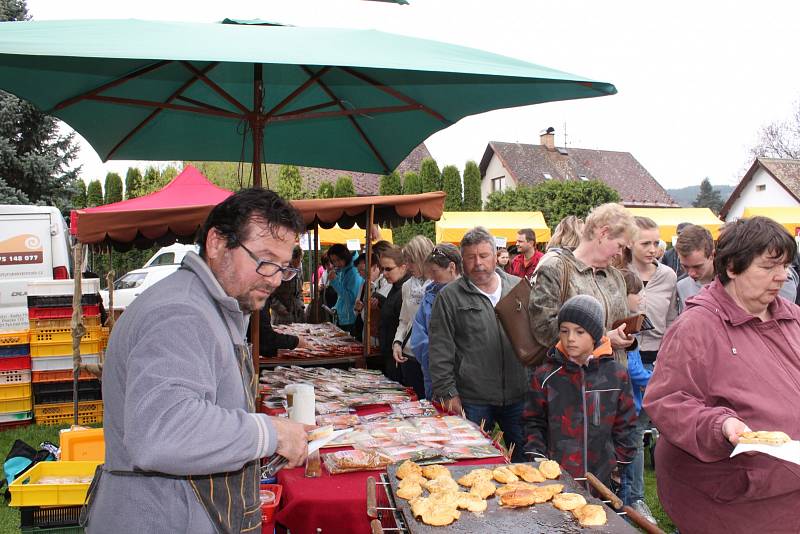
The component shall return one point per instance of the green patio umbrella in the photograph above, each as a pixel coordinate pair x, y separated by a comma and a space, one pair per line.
320, 97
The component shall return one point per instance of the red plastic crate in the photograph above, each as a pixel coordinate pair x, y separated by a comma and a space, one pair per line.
61, 313
38, 377
15, 362
268, 510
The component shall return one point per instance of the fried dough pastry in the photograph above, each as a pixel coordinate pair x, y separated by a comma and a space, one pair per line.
447, 498
418, 505
511, 486
765, 437
590, 515
483, 487
471, 502
412, 479
435, 471
408, 468
504, 475
470, 478
518, 497
550, 469
439, 516
568, 501
527, 472
441, 484
554, 489
409, 491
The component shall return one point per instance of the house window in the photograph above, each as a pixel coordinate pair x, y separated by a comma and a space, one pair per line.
762, 187
499, 183
547, 176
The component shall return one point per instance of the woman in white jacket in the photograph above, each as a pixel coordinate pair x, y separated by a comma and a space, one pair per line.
415, 252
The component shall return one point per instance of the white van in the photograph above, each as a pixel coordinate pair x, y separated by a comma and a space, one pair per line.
34, 245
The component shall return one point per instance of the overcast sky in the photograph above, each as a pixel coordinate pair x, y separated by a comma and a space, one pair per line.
696, 80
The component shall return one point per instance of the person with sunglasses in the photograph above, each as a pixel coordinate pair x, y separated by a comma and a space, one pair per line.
395, 270
183, 441
347, 283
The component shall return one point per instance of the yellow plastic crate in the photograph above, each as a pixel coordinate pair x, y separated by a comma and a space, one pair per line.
89, 412
42, 324
82, 444
19, 404
15, 391
63, 349
26, 491
14, 338
62, 335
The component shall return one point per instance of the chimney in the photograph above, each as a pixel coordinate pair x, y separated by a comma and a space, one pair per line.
548, 138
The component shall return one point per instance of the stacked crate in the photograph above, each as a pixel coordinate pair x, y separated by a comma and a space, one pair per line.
50, 316
15, 379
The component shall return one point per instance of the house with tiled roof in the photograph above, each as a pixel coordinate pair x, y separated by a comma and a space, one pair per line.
507, 165
365, 183
769, 182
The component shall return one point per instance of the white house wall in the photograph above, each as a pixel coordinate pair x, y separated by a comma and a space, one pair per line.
773, 195
495, 169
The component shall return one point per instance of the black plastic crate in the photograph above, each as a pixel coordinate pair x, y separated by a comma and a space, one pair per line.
61, 301
53, 392
49, 516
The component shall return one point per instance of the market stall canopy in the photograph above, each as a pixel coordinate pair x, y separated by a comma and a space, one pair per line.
251, 91
454, 224
788, 217
172, 213
331, 236
668, 219
390, 210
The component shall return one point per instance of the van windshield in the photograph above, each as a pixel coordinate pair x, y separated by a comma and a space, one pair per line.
130, 280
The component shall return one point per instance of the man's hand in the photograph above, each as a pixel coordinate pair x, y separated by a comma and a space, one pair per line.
733, 428
302, 343
292, 440
453, 405
619, 339
397, 353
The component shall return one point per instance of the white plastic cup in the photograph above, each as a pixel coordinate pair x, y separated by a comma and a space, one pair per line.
300, 401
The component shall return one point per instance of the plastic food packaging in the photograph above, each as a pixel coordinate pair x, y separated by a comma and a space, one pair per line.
313, 465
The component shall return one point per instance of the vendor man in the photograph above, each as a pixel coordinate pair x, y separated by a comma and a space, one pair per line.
182, 441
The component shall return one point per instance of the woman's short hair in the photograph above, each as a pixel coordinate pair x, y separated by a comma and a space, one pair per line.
417, 249
567, 233
395, 254
633, 284
379, 246
443, 254
742, 241
617, 218
341, 252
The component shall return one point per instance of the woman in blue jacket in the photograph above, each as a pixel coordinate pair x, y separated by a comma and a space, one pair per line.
444, 265
347, 283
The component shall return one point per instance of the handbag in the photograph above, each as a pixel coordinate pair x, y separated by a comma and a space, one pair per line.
512, 311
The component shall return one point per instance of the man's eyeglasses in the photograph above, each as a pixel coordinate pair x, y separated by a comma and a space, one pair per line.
269, 268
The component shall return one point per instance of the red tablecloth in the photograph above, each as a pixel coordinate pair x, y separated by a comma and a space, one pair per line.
334, 503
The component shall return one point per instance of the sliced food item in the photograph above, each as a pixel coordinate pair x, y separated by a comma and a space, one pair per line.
321, 432
590, 515
550, 469
568, 501
765, 437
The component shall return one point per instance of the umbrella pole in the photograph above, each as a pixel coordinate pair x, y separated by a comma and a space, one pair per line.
314, 252
368, 292
77, 326
257, 127
317, 295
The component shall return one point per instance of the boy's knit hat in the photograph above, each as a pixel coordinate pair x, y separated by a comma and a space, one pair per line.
586, 311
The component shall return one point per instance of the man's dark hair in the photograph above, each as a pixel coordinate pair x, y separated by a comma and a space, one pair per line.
341, 252
232, 216
694, 237
530, 236
742, 241
297, 252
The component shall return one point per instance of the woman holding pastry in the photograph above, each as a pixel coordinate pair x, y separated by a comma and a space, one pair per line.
730, 365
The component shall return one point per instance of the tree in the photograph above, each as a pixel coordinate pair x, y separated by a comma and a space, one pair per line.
451, 180
472, 187
555, 199
79, 199
11, 195
780, 139
412, 184
430, 176
326, 190
133, 182
344, 187
94, 194
113, 188
390, 184
708, 197
290, 183
233, 175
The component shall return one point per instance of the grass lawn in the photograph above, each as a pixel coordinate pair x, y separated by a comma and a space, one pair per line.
651, 498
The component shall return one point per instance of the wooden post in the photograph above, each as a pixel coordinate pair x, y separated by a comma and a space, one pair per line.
77, 325
368, 293
315, 296
257, 128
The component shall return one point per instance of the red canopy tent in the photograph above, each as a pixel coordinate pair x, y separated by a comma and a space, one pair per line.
175, 212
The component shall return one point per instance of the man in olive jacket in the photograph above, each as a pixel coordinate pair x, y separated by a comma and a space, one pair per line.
472, 363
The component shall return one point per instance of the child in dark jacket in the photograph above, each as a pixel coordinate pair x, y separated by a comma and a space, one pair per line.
579, 409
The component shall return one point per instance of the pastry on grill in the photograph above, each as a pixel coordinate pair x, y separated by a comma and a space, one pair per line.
412, 479
483, 487
441, 484
590, 515
550, 469
444, 498
409, 491
435, 471
471, 502
518, 497
470, 478
527, 472
554, 489
504, 475
511, 486
439, 516
568, 501
408, 468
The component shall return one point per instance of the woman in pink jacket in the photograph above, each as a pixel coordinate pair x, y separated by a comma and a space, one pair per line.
730, 363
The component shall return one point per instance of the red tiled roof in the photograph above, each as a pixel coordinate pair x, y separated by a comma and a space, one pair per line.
366, 184
785, 171
619, 170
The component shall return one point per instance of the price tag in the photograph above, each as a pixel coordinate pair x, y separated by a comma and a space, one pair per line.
500, 242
